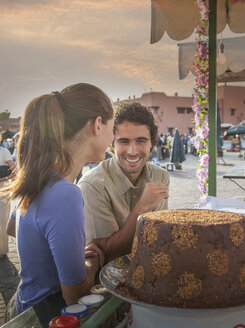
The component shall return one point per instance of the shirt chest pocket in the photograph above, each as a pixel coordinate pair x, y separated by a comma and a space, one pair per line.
120, 210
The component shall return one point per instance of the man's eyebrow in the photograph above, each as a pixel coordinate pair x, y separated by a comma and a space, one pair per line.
142, 138
122, 139
137, 139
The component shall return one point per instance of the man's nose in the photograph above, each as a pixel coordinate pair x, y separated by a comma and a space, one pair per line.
132, 149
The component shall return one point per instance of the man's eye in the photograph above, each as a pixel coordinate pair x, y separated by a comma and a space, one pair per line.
141, 141
123, 141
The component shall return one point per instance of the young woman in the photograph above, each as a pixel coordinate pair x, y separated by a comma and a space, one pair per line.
60, 132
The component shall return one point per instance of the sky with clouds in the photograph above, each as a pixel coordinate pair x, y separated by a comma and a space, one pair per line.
46, 45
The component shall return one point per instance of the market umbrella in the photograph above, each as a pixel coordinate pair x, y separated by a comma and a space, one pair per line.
237, 129
177, 153
8, 134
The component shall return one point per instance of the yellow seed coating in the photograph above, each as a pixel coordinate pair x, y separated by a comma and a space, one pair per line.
218, 262
139, 277
161, 264
242, 276
184, 236
134, 247
205, 217
189, 286
150, 233
236, 233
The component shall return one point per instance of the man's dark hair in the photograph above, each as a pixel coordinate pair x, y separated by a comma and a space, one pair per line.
138, 114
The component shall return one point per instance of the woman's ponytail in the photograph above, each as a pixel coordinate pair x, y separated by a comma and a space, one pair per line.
41, 149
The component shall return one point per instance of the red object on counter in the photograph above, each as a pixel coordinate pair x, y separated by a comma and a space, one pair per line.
64, 321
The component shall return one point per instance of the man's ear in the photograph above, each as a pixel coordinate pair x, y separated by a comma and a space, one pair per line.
97, 125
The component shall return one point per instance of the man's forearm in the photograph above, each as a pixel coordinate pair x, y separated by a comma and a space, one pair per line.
120, 243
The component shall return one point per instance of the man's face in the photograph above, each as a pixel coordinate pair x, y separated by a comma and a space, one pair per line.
132, 145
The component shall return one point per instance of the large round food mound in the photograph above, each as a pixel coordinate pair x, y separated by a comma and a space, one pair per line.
188, 258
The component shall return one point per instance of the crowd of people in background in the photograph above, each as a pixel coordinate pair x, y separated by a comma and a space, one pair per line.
10, 144
165, 144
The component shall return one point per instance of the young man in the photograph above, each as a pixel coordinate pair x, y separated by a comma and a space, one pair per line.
125, 186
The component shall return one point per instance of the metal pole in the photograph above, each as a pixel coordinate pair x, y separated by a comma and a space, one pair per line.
212, 101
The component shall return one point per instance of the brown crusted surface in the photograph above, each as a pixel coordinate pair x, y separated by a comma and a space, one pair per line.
242, 276
218, 262
193, 216
206, 258
236, 233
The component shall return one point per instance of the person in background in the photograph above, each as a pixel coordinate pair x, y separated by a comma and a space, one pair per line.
60, 132
15, 140
171, 141
167, 147
121, 188
192, 145
6, 161
4, 143
163, 145
186, 143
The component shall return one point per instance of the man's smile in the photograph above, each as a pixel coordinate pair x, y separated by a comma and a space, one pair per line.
133, 160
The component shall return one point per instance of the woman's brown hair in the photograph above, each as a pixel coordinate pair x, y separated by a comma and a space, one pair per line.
49, 121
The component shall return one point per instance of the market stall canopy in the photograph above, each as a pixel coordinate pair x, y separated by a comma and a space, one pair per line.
238, 129
178, 18
231, 71
226, 125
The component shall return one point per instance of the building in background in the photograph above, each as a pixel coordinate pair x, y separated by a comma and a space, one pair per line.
10, 124
176, 111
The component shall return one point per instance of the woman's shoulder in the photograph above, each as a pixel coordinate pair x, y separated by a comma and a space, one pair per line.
56, 191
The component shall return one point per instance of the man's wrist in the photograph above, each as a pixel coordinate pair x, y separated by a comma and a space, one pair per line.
137, 210
92, 264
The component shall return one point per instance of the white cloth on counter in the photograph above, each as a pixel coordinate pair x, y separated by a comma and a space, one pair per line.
223, 204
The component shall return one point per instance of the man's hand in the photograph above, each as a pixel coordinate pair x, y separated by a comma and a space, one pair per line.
93, 250
152, 194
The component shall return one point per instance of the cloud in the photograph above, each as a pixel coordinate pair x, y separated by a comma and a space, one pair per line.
47, 45
67, 20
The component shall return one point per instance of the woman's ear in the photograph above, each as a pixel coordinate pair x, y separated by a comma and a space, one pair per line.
97, 125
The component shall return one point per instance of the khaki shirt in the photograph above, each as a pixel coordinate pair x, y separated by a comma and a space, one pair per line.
109, 196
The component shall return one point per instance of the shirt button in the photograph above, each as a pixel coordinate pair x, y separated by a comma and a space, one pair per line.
134, 196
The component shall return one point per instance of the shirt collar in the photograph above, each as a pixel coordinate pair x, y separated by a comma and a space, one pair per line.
122, 181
